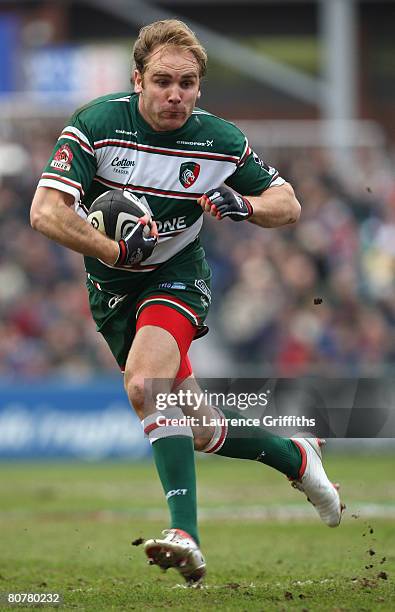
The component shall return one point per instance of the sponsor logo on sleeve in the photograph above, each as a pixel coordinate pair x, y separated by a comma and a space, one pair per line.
62, 159
262, 164
189, 172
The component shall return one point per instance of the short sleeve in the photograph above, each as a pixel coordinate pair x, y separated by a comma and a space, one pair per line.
252, 175
72, 164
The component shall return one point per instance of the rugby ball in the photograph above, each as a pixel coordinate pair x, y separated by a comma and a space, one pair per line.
115, 213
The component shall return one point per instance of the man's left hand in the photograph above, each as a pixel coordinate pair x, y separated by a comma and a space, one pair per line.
223, 202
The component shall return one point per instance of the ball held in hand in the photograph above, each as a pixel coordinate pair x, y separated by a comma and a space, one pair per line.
115, 213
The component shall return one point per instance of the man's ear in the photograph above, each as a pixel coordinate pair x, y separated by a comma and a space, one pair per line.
138, 81
199, 94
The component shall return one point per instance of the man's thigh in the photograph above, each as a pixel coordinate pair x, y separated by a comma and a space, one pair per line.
159, 349
154, 354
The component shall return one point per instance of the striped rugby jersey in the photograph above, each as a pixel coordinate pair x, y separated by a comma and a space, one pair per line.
108, 145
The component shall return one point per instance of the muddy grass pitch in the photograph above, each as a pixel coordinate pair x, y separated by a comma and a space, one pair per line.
69, 528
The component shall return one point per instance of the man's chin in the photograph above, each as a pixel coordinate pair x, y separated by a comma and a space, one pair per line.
172, 122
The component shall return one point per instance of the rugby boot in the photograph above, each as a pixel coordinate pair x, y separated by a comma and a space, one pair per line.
177, 549
314, 483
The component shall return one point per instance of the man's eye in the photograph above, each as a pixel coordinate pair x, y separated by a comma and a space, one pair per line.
187, 84
162, 83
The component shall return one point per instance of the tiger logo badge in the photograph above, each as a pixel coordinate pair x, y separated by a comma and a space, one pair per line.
189, 172
62, 158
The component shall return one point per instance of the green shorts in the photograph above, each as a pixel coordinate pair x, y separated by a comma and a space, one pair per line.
182, 283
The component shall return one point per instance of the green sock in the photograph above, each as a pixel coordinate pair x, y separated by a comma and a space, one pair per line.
257, 443
175, 461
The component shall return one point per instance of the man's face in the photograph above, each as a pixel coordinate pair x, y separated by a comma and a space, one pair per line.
168, 89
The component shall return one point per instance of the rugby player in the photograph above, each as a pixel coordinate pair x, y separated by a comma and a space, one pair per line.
149, 295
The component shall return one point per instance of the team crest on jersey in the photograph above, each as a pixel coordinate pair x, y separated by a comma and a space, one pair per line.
189, 171
62, 158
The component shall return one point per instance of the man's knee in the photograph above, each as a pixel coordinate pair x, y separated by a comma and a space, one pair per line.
201, 438
146, 394
136, 391
202, 435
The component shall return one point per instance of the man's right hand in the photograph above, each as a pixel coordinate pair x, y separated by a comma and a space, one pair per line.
135, 247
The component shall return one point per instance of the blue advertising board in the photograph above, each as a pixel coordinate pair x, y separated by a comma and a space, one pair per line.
9, 47
52, 69
59, 419
72, 71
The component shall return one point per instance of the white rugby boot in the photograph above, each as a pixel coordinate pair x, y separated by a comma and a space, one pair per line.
179, 550
314, 482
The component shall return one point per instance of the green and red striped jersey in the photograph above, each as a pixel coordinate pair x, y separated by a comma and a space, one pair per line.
108, 145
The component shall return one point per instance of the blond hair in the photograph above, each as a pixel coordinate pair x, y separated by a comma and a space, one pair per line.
171, 32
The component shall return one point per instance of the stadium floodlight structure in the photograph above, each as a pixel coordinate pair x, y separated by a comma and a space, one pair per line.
338, 31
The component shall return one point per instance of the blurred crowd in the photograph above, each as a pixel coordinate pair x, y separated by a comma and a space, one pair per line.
315, 297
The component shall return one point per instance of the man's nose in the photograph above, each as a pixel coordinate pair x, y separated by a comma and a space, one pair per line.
175, 95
